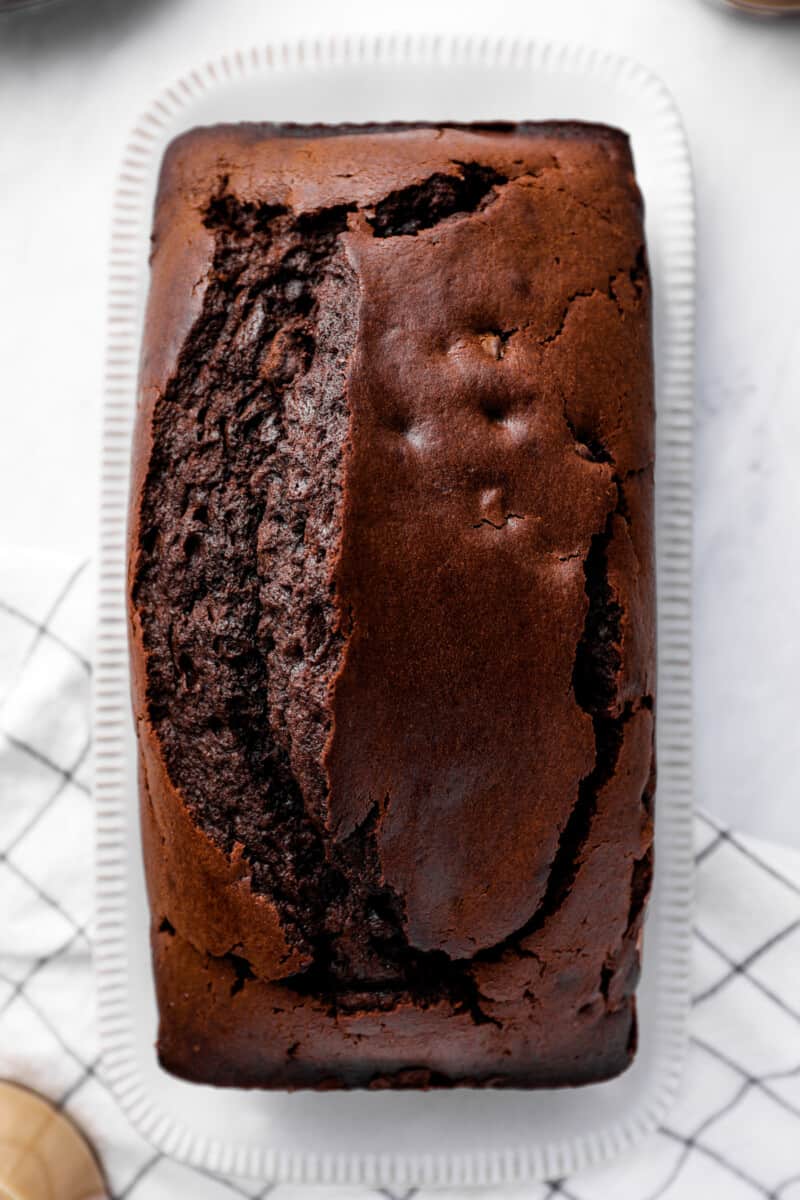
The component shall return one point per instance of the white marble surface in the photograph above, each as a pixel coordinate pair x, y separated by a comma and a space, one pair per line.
73, 77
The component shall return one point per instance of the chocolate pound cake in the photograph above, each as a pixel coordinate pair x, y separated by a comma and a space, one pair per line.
392, 610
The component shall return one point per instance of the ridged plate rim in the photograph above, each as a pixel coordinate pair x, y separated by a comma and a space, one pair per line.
130, 224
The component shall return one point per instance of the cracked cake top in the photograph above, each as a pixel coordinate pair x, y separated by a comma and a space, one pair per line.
391, 572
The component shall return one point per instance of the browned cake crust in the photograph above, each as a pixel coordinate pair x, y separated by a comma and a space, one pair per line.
392, 610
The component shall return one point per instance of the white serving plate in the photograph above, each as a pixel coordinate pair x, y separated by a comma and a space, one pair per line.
402, 1139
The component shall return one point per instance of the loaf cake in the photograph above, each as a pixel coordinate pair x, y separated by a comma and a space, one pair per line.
392, 604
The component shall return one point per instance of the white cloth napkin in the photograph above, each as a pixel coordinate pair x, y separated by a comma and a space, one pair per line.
734, 1133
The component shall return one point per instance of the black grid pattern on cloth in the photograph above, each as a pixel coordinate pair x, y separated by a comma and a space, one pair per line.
136, 1172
